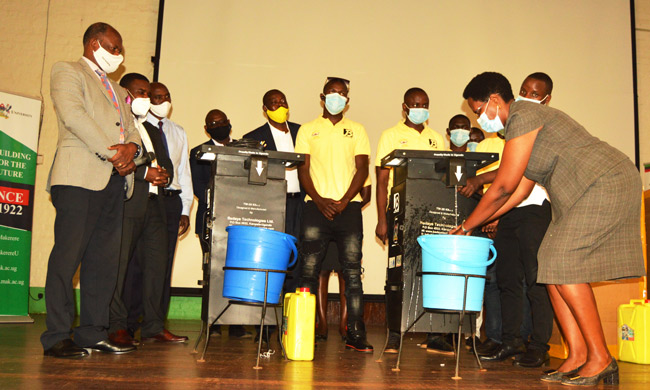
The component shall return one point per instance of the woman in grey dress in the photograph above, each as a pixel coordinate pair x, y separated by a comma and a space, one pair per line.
595, 194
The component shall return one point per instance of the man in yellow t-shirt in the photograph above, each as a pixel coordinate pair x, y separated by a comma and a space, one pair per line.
411, 133
336, 153
458, 131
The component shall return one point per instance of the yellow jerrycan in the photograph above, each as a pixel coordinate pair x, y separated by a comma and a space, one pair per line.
634, 332
298, 324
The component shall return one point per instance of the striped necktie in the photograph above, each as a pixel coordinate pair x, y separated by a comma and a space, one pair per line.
107, 85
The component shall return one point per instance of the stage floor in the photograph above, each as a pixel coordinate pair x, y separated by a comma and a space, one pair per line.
229, 365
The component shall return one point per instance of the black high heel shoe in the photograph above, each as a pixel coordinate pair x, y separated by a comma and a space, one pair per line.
609, 376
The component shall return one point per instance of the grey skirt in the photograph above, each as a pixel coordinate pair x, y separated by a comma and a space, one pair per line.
599, 237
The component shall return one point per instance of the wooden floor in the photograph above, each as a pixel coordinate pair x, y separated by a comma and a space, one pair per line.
229, 365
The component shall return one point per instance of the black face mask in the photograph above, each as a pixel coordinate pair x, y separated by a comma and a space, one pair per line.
220, 132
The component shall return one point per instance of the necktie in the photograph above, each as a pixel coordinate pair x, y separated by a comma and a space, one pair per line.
107, 85
162, 136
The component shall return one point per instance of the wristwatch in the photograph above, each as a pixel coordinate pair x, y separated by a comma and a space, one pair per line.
137, 152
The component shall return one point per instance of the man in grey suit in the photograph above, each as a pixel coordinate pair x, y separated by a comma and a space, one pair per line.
91, 171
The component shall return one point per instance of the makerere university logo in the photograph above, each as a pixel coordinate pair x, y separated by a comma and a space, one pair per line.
5, 109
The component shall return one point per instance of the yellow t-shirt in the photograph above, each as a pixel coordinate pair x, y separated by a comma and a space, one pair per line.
401, 136
492, 144
332, 149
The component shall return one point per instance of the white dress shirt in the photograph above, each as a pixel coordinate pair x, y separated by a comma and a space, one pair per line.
284, 143
146, 141
179, 155
536, 197
96, 68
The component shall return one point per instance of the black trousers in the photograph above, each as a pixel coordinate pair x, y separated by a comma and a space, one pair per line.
87, 231
292, 223
134, 278
347, 230
150, 232
518, 238
173, 210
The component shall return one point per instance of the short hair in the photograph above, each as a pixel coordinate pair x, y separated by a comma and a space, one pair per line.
543, 77
477, 130
413, 90
459, 116
214, 112
268, 94
128, 78
95, 30
330, 80
487, 83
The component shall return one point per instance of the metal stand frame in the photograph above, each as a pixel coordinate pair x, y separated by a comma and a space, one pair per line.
461, 314
205, 328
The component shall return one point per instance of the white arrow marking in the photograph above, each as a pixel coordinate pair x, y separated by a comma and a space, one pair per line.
260, 168
459, 172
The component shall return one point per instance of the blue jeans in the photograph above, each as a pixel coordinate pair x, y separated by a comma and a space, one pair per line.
347, 230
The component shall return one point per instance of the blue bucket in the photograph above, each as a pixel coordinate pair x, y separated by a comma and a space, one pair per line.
254, 247
459, 255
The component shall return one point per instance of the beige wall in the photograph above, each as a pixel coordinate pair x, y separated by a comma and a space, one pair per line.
25, 44
31, 43
643, 78
228, 56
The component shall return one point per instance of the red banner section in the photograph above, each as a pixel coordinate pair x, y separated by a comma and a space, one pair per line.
14, 196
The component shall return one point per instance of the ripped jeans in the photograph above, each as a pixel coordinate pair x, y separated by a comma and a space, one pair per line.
347, 230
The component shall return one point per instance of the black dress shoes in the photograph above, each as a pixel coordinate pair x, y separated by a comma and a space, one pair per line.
489, 347
266, 332
66, 349
534, 357
215, 329
503, 352
238, 332
107, 346
441, 344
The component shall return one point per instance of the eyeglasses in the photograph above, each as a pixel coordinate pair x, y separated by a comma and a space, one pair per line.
478, 110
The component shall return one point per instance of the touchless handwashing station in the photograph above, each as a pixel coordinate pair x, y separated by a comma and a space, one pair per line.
247, 188
423, 200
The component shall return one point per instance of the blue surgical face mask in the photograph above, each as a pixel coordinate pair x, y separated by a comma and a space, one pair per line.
471, 146
459, 137
417, 116
520, 98
490, 125
335, 103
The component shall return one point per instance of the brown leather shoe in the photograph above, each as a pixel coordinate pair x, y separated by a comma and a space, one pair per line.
166, 337
122, 336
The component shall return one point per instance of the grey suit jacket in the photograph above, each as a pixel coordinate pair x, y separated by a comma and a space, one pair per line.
88, 125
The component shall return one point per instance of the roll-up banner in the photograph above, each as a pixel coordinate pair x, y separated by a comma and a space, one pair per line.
19, 128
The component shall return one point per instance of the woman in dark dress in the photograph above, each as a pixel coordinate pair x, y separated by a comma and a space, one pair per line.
595, 194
